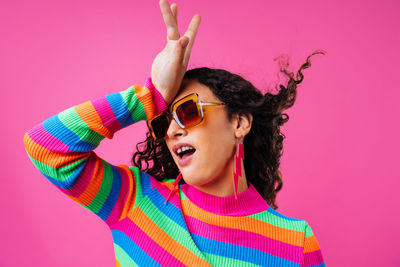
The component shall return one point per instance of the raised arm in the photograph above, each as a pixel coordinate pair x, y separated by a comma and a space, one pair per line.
170, 64
61, 147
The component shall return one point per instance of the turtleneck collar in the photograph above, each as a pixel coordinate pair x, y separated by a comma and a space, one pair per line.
247, 202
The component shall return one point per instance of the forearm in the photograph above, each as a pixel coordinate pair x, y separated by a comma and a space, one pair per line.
61, 145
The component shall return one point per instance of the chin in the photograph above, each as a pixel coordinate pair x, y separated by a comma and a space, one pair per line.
198, 172
195, 178
191, 179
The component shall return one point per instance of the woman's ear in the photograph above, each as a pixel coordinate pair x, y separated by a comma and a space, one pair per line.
243, 122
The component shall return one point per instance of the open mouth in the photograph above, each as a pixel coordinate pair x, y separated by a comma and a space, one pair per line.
185, 151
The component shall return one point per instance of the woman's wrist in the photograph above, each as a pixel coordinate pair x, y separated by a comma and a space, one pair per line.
158, 99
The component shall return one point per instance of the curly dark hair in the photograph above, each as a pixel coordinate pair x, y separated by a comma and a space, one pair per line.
263, 144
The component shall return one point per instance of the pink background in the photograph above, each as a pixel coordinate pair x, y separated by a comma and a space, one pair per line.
340, 162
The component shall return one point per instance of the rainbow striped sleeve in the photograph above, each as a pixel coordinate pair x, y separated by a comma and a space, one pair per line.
61, 148
312, 251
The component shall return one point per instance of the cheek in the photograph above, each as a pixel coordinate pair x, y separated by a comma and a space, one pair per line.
218, 126
218, 144
215, 140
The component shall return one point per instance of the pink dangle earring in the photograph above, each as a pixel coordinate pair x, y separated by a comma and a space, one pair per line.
178, 178
239, 156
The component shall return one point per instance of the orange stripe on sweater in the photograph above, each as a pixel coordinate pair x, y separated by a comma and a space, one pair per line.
93, 187
172, 246
52, 159
311, 244
88, 114
145, 97
244, 223
167, 184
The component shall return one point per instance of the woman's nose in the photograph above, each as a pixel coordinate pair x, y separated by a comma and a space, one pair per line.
174, 130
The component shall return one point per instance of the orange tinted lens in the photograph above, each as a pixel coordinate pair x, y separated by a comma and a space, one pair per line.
188, 113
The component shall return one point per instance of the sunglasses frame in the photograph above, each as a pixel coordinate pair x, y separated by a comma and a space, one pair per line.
172, 115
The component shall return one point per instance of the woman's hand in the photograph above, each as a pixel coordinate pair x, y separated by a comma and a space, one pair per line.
170, 64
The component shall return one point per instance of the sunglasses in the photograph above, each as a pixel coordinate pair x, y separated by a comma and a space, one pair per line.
187, 112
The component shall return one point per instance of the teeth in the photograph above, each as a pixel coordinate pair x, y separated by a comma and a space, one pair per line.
183, 149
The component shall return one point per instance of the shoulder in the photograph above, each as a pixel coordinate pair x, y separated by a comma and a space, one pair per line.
282, 221
301, 226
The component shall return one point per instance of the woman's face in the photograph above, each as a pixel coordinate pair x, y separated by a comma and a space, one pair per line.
213, 140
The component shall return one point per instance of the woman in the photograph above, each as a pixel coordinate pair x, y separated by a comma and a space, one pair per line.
203, 190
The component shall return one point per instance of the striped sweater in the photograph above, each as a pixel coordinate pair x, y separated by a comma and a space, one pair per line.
192, 228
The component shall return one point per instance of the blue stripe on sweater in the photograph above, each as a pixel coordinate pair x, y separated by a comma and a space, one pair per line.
169, 210
146, 184
118, 105
239, 252
68, 183
56, 128
132, 249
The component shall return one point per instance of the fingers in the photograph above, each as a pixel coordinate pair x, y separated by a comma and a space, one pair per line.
174, 9
169, 19
184, 41
179, 49
191, 33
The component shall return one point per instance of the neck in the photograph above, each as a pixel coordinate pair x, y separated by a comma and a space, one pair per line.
222, 185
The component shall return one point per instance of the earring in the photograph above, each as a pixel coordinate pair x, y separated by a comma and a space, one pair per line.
239, 156
178, 178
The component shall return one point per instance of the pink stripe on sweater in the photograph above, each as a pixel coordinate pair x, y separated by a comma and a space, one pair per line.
251, 240
106, 114
247, 202
158, 99
46, 140
164, 191
148, 245
312, 258
84, 178
126, 185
